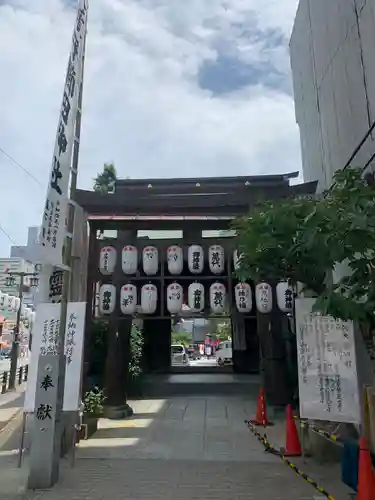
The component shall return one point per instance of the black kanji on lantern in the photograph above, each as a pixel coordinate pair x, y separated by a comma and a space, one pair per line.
46, 382
288, 299
127, 301
241, 299
218, 298
215, 259
44, 412
56, 176
106, 300
196, 261
197, 299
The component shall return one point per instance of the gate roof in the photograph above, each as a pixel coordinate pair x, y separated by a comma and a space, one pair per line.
205, 196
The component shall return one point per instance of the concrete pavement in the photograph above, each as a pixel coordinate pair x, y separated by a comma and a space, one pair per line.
187, 448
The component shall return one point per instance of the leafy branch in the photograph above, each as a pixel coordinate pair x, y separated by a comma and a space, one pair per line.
303, 240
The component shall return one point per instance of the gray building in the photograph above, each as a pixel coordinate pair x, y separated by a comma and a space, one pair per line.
28, 251
333, 67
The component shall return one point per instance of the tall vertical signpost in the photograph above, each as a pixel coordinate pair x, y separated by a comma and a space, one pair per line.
55, 251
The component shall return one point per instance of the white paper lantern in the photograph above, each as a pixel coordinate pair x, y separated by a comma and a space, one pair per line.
195, 259
243, 297
196, 297
175, 259
107, 260
150, 257
3, 301
217, 298
17, 303
149, 299
128, 299
175, 296
11, 303
129, 259
107, 299
263, 297
284, 296
216, 259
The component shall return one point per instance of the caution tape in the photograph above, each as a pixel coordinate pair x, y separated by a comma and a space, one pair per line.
327, 435
271, 449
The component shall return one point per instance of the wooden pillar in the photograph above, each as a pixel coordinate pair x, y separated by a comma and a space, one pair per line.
273, 355
116, 370
117, 362
92, 272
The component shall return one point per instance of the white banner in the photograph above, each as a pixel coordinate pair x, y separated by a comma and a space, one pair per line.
45, 336
328, 384
55, 211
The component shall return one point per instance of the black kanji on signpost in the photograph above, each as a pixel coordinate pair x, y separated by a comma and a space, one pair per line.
70, 78
46, 382
62, 141
56, 176
44, 412
65, 109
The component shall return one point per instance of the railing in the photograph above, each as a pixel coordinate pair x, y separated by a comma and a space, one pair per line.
21, 377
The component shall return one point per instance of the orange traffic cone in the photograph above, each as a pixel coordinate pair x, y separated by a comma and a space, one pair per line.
261, 413
293, 445
366, 477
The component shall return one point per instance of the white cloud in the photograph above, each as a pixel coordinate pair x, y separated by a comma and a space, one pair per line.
143, 107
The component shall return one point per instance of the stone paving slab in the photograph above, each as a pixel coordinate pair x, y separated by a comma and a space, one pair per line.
180, 480
177, 448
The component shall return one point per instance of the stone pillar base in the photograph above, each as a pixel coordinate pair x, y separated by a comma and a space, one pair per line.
118, 412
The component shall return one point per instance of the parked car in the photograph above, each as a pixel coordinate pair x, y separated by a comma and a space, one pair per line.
178, 355
224, 353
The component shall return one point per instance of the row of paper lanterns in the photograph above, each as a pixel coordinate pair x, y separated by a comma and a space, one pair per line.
174, 255
10, 303
196, 298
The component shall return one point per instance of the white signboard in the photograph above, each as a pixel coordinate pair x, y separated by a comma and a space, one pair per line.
45, 336
328, 386
55, 210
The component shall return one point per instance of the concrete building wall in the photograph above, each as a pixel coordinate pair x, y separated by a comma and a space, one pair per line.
333, 69
28, 251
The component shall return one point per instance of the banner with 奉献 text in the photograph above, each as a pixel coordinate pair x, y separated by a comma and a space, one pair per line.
327, 372
53, 227
45, 339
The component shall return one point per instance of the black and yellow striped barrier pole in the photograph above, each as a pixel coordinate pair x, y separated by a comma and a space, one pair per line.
325, 434
270, 448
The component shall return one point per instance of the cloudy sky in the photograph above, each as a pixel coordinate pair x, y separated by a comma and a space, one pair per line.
172, 88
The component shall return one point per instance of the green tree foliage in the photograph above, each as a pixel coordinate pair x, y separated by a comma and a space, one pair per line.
104, 182
136, 351
303, 239
183, 338
221, 330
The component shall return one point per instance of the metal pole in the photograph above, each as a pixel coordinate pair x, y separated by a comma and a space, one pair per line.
15, 343
22, 442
